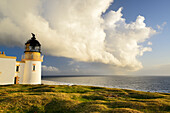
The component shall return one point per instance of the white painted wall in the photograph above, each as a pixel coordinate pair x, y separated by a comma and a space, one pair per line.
7, 71
21, 71
30, 76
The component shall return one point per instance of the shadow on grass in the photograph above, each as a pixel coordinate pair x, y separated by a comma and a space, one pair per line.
34, 109
92, 87
41, 88
94, 97
35, 94
6, 99
59, 106
145, 95
7, 85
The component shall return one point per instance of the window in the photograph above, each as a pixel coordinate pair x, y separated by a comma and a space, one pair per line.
33, 68
37, 48
17, 69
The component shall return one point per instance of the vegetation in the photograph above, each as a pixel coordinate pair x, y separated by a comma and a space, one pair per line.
80, 99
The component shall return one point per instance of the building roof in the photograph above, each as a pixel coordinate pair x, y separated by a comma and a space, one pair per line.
20, 61
33, 41
2, 55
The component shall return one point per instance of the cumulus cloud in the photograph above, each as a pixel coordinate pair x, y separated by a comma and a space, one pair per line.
49, 68
123, 40
75, 29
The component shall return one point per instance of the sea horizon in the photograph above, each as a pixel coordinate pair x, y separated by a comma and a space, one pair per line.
72, 75
141, 83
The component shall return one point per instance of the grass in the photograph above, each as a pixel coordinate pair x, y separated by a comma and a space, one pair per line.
80, 99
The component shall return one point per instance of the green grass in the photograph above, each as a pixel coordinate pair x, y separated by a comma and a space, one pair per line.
80, 99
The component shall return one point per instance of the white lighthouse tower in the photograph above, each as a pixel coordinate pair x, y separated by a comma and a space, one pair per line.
33, 60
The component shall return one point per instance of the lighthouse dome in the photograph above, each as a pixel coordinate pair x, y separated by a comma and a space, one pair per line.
33, 45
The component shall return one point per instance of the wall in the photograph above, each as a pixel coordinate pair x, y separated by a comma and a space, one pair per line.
20, 73
30, 76
7, 70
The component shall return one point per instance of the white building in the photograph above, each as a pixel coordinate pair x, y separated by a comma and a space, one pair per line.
26, 71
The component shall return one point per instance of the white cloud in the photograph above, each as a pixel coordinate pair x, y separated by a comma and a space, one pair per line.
149, 43
124, 40
160, 27
49, 68
75, 29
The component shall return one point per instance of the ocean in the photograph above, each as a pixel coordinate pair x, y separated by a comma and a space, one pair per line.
141, 83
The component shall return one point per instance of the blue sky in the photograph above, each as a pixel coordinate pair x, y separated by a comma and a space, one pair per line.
155, 13
155, 62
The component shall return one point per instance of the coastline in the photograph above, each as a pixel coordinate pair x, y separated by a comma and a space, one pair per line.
48, 82
62, 98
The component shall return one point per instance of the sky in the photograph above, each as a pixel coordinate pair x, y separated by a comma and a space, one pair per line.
91, 37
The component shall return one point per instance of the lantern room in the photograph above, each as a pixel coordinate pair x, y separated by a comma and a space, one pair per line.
33, 45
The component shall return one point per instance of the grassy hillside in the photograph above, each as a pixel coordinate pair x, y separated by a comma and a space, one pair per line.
84, 99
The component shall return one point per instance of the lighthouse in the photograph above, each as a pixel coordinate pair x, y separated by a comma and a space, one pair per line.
32, 59
26, 71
